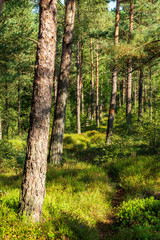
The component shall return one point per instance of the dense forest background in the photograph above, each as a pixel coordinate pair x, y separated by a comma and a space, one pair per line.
107, 184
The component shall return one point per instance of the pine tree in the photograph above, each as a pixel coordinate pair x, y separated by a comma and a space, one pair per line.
34, 175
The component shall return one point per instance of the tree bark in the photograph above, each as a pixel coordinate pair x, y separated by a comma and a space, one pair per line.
78, 81
81, 76
34, 175
97, 85
19, 110
55, 88
129, 79
56, 146
140, 113
0, 127
150, 94
145, 97
92, 76
114, 81
124, 89
101, 106
6, 111
135, 97
119, 94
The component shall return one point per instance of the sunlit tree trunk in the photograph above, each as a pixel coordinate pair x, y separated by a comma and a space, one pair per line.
97, 85
114, 81
129, 79
140, 113
56, 148
34, 175
92, 76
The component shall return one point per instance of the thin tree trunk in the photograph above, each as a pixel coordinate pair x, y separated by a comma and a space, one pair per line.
101, 107
129, 79
114, 81
119, 95
55, 88
140, 113
145, 97
124, 89
150, 94
34, 175
19, 109
92, 75
0, 127
6, 112
81, 76
78, 81
135, 97
56, 146
97, 85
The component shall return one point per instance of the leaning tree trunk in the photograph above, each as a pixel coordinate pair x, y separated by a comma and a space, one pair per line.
92, 76
78, 81
56, 145
34, 175
129, 79
140, 112
114, 81
97, 85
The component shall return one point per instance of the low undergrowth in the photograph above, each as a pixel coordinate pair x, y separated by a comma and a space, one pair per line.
80, 194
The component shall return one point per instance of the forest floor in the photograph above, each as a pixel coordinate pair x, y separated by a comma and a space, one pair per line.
100, 193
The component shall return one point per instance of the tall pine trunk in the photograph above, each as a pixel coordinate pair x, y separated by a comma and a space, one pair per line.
119, 94
135, 96
114, 80
97, 85
81, 76
6, 110
101, 104
140, 112
78, 81
55, 88
145, 97
0, 127
56, 145
34, 175
19, 109
124, 89
129, 79
150, 94
92, 77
